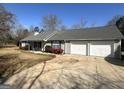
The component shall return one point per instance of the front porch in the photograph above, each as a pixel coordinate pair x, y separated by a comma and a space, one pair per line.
33, 45
40, 45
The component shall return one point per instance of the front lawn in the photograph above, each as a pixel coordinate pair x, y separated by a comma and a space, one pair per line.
13, 60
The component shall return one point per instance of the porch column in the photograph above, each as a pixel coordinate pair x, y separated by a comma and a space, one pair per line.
41, 46
20, 44
28, 45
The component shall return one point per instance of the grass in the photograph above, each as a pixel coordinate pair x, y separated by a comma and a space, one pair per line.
13, 60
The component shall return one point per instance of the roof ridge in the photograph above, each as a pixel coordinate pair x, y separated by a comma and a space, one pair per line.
92, 27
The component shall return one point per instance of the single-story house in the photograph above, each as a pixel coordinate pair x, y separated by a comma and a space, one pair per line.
97, 41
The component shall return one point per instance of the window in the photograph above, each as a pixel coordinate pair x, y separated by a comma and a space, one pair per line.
56, 44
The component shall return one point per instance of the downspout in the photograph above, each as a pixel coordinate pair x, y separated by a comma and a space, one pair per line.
41, 45
120, 49
88, 49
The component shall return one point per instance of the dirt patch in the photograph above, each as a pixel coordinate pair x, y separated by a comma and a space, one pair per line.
5, 58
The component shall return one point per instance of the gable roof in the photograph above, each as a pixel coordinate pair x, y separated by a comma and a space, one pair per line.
95, 33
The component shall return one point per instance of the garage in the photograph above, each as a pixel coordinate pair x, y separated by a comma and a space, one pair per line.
93, 48
78, 47
101, 48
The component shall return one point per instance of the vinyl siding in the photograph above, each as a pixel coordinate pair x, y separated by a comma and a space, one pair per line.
117, 49
67, 47
62, 45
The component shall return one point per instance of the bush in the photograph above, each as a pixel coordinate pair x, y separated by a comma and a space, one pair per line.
56, 50
48, 48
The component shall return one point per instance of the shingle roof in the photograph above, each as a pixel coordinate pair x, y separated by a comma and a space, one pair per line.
41, 36
95, 33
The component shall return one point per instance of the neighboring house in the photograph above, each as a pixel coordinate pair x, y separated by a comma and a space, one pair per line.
98, 41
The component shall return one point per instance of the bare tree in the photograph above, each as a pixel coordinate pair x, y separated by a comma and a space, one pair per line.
93, 24
76, 26
21, 33
51, 23
31, 29
82, 23
6, 19
6, 23
63, 28
113, 20
79, 25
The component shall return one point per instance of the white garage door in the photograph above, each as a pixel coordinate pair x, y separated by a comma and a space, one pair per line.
101, 48
78, 48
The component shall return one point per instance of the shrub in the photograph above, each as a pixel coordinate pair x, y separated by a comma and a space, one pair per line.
48, 48
56, 50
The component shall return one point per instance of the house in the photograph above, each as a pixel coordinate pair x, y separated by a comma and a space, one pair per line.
97, 41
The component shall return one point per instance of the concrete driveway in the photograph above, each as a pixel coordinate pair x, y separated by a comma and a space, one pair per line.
71, 71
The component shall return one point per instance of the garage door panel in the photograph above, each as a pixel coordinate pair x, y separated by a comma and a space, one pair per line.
78, 48
101, 48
